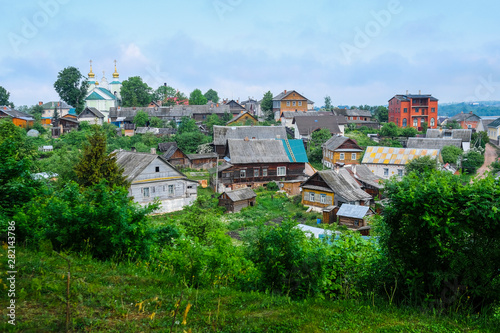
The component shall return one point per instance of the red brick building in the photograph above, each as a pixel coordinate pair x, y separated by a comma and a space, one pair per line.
413, 111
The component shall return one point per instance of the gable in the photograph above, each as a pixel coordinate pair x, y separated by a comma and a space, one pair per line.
294, 96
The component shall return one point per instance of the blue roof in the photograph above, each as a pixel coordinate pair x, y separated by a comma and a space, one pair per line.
116, 82
299, 152
72, 111
94, 96
107, 92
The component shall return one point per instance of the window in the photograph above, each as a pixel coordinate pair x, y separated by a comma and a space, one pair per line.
300, 103
386, 172
281, 171
342, 157
287, 103
400, 172
293, 103
415, 122
164, 189
322, 198
404, 123
170, 189
311, 196
153, 189
405, 110
190, 187
256, 172
264, 172
469, 126
356, 223
353, 156
433, 109
416, 110
243, 173
145, 192
432, 122
157, 169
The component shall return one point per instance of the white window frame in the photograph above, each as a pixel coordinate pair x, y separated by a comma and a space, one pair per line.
322, 198
415, 122
145, 192
400, 172
311, 196
281, 171
288, 103
341, 157
243, 173
353, 156
294, 103
300, 103
264, 172
171, 189
256, 172
386, 171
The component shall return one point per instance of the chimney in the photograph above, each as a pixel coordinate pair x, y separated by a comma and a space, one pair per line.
40, 103
133, 149
153, 151
285, 91
407, 92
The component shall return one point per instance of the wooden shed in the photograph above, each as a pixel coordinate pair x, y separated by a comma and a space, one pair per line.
236, 200
354, 216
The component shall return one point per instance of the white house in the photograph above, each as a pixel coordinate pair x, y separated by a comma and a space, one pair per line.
92, 116
152, 177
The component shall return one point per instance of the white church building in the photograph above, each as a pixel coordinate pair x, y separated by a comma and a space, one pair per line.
103, 95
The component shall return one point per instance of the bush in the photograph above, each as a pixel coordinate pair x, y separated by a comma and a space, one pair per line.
472, 161
272, 186
451, 154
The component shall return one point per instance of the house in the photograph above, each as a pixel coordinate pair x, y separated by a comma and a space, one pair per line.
413, 110
62, 107
173, 154
356, 114
353, 216
152, 178
65, 124
234, 106
431, 143
464, 135
386, 162
126, 115
202, 161
494, 132
254, 163
236, 200
244, 118
340, 149
224, 133
253, 106
200, 112
482, 126
369, 182
91, 115
21, 119
289, 101
304, 126
333, 188
466, 120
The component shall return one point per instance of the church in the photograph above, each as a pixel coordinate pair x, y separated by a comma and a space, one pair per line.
103, 95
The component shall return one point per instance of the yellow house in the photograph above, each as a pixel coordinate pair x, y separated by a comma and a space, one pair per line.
289, 101
494, 131
244, 118
340, 149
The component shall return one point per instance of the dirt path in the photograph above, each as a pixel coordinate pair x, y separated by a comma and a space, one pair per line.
490, 155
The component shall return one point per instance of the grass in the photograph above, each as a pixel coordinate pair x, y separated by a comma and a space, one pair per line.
136, 297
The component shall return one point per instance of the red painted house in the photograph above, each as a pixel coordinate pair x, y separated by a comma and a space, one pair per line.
413, 111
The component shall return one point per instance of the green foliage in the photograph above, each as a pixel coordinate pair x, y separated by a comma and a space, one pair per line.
381, 113
72, 87
421, 165
480, 139
439, 237
389, 130
267, 105
453, 124
4, 96
451, 154
155, 122
272, 186
141, 118
96, 165
389, 142
211, 95
315, 155
289, 261
424, 127
472, 160
134, 92
361, 139
495, 167
408, 132
197, 98
212, 120
319, 137
163, 93
98, 219
328, 103
187, 125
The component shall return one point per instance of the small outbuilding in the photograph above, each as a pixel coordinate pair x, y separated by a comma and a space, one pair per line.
236, 200
354, 216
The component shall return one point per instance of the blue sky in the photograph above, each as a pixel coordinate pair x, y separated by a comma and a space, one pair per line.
357, 52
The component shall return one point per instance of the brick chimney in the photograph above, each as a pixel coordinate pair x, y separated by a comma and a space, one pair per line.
40, 103
284, 92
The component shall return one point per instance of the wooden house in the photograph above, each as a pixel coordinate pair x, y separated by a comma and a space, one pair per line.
304, 126
152, 178
369, 182
340, 149
234, 106
92, 116
244, 118
333, 188
224, 133
236, 200
202, 161
355, 114
253, 163
173, 154
19, 118
354, 216
289, 101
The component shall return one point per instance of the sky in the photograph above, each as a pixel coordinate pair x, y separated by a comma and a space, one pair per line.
357, 52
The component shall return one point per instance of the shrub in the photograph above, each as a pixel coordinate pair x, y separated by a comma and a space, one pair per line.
472, 161
451, 154
272, 186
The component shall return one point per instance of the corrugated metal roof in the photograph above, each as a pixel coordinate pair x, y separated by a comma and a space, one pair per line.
495, 123
134, 163
432, 143
363, 173
353, 211
298, 150
241, 194
257, 151
308, 124
395, 156
223, 133
343, 184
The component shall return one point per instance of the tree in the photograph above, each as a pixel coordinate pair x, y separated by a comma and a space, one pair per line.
267, 106
451, 154
187, 125
188, 142
4, 97
425, 126
211, 95
55, 117
134, 92
155, 122
72, 87
480, 139
389, 129
328, 103
381, 113
453, 125
472, 161
212, 120
197, 98
439, 236
95, 164
320, 137
36, 111
141, 118
408, 132
163, 93
421, 165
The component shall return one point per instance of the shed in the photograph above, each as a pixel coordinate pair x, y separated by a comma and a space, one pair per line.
354, 216
236, 200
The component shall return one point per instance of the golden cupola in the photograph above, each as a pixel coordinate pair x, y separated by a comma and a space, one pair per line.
91, 74
115, 74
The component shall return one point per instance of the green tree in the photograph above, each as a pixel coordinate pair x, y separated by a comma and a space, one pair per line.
55, 116
211, 95
328, 103
408, 132
480, 139
472, 160
36, 111
187, 125
163, 93
134, 92
381, 113
389, 130
421, 165
141, 118
267, 106
453, 125
4, 97
95, 164
425, 126
72, 87
451, 154
197, 98
319, 137
188, 142
212, 120
155, 122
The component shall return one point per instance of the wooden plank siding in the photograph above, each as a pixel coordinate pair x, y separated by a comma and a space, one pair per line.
233, 174
327, 197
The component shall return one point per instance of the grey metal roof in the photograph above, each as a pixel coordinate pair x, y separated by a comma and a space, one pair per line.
223, 133
334, 142
241, 194
353, 211
201, 156
188, 110
465, 117
362, 173
430, 143
355, 113
168, 148
292, 114
307, 124
344, 185
463, 134
144, 130
94, 111
408, 97
159, 112
16, 114
495, 123
285, 93
257, 151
